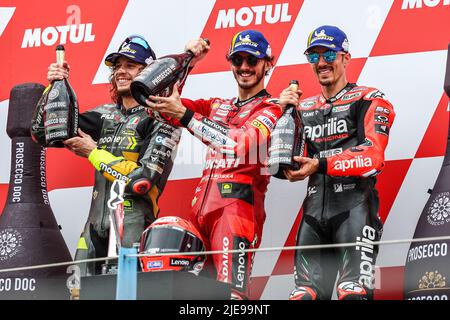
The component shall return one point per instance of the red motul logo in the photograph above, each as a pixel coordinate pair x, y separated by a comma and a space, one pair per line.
274, 18
245, 16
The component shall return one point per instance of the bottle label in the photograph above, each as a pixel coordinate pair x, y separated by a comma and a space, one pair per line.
59, 113
285, 142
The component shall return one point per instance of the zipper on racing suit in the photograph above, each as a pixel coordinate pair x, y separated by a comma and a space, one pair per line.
325, 114
108, 184
234, 112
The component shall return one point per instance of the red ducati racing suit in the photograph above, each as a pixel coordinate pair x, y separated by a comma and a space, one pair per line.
228, 206
348, 134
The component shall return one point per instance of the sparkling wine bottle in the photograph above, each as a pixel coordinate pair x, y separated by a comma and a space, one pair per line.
159, 77
60, 109
286, 141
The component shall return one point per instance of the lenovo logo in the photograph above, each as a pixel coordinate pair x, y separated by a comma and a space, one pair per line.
256, 15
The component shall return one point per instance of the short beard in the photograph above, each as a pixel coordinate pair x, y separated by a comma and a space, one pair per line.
326, 83
247, 86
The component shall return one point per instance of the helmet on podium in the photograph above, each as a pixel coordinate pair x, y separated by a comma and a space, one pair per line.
172, 235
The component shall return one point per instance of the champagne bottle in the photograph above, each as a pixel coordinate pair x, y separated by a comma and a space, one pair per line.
286, 141
60, 109
159, 77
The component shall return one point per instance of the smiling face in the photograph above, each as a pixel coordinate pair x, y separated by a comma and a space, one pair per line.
330, 73
247, 75
124, 71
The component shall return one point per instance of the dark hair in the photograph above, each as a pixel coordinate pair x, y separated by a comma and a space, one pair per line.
115, 97
271, 59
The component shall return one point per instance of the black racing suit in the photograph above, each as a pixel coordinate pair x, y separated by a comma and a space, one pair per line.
130, 146
348, 134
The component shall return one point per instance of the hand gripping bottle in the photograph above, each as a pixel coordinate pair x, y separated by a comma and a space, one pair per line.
286, 141
159, 77
60, 109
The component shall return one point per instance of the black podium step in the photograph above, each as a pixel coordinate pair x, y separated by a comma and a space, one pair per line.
166, 285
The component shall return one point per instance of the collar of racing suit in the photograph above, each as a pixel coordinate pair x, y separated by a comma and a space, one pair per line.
129, 111
262, 93
341, 93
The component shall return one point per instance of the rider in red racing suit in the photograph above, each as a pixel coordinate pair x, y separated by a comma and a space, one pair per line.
228, 206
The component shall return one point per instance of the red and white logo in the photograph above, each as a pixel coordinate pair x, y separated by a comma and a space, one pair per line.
331, 127
357, 162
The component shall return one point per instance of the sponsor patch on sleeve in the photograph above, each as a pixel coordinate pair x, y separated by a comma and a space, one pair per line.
384, 110
375, 94
267, 122
379, 118
261, 127
382, 129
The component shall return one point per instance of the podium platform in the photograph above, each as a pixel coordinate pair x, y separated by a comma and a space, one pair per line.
167, 285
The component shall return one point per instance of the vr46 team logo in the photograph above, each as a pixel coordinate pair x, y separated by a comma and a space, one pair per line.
10, 243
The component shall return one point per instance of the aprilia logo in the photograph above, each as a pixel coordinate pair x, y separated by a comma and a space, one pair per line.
365, 246
52, 35
331, 127
245, 16
357, 162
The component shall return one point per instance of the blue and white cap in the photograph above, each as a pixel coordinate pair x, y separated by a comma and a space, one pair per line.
135, 48
328, 36
250, 41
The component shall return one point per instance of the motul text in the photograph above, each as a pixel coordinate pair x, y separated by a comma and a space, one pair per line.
50, 35
414, 4
245, 16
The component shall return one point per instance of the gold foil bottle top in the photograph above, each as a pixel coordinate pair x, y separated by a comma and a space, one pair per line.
293, 84
60, 54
